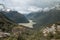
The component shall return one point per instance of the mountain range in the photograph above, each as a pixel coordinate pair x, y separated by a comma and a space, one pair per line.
15, 16
44, 18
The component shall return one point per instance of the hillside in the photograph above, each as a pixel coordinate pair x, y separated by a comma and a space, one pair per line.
44, 18
15, 16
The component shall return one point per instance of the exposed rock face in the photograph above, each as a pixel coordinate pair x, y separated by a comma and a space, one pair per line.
52, 28
3, 34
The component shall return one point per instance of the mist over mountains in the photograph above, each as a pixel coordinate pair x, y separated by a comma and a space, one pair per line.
45, 17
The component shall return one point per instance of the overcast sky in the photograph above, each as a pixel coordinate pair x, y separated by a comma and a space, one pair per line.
26, 6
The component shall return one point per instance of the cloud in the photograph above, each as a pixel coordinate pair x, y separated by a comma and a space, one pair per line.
46, 9
24, 12
34, 9
52, 7
28, 5
57, 7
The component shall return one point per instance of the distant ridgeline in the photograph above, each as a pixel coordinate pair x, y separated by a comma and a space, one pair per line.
8, 18
45, 17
